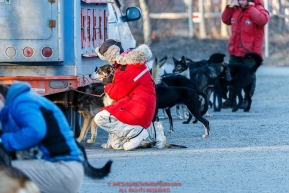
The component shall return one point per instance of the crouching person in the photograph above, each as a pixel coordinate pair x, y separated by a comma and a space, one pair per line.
32, 121
128, 119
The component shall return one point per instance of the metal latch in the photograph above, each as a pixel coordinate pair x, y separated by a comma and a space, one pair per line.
52, 23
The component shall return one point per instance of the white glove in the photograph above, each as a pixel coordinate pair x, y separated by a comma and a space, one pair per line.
234, 3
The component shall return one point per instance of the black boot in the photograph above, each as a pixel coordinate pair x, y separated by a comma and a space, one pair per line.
245, 102
231, 101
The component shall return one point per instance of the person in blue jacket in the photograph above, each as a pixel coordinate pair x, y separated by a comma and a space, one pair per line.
31, 121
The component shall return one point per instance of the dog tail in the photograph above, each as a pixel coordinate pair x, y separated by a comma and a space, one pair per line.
174, 146
156, 67
258, 60
206, 105
167, 146
90, 171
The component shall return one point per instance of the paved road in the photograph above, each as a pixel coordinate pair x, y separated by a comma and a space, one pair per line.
246, 152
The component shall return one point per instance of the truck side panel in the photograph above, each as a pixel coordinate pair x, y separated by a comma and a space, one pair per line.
69, 57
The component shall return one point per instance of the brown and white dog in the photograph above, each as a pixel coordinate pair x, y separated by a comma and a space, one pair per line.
91, 99
13, 180
88, 103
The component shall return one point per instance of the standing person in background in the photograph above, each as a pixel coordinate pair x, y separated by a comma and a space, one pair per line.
247, 20
129, 120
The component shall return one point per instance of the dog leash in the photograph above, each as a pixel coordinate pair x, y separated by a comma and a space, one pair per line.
129, 138
96, 95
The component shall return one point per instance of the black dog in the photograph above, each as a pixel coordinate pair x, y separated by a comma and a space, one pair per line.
207, 75
242, 80
204, 74
172, 80
169, 96
89, 170
181, 81
185, 63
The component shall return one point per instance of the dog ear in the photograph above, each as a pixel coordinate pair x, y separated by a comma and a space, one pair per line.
110, 69
155, 63
175, 60
184, 59
162, 61
96, 68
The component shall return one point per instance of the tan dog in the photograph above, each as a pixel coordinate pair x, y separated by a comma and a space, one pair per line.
13, 180
88, 103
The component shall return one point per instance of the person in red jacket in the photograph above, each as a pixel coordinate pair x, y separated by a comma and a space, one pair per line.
133, 89
247, 20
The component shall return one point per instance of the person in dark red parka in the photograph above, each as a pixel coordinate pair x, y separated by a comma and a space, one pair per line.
133, 89
247, 20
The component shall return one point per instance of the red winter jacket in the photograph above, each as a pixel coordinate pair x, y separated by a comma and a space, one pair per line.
133, 89
247, 28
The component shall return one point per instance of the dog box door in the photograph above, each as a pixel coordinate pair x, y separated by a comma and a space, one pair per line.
31, 25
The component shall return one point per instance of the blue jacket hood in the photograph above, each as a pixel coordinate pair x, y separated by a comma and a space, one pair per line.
15, 89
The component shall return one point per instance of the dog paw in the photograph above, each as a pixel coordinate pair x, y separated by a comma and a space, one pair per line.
195, 121
90, 141
180, 117
246, 110
234, 109
106, 146
217, 110
209, 115
79, 139
205, 136
171, 131
185, 122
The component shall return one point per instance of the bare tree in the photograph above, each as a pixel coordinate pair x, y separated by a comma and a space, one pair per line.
146, 21
224, 28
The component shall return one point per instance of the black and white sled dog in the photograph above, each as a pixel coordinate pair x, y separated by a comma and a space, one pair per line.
173, 80
13, 180
89, 170
158, 76
169, 96
206, 75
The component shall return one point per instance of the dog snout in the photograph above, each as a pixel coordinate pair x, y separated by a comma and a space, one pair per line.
93, 76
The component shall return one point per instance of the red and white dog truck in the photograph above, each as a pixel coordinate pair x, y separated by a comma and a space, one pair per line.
50, 44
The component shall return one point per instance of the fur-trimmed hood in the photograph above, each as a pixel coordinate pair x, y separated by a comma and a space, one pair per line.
136, 56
